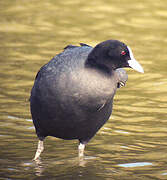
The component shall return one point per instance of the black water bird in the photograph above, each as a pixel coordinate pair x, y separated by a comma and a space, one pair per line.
72, 96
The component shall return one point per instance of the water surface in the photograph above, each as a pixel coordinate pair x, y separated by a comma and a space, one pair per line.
133, 144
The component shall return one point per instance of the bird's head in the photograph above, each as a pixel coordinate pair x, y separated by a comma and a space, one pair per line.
113, 54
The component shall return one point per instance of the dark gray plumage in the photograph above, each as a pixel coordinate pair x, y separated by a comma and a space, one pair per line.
73, 94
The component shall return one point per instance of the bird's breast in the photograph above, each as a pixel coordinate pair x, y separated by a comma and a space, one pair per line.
86, 88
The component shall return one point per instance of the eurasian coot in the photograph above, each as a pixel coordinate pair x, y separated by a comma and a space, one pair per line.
73, 93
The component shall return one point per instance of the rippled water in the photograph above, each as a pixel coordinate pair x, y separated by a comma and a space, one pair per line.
133, 144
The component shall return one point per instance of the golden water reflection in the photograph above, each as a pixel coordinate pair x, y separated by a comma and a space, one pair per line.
132, 145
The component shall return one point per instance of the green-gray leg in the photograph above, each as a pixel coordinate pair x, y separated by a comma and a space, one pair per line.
39, 150
81, 148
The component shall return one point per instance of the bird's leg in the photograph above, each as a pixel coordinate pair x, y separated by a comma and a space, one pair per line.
39, 149
81, 148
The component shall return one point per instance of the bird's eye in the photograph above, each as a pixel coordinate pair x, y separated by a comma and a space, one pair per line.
123, 53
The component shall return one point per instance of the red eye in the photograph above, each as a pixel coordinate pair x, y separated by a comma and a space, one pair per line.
123, 53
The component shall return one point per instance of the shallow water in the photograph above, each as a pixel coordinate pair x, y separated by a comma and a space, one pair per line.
133, 144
